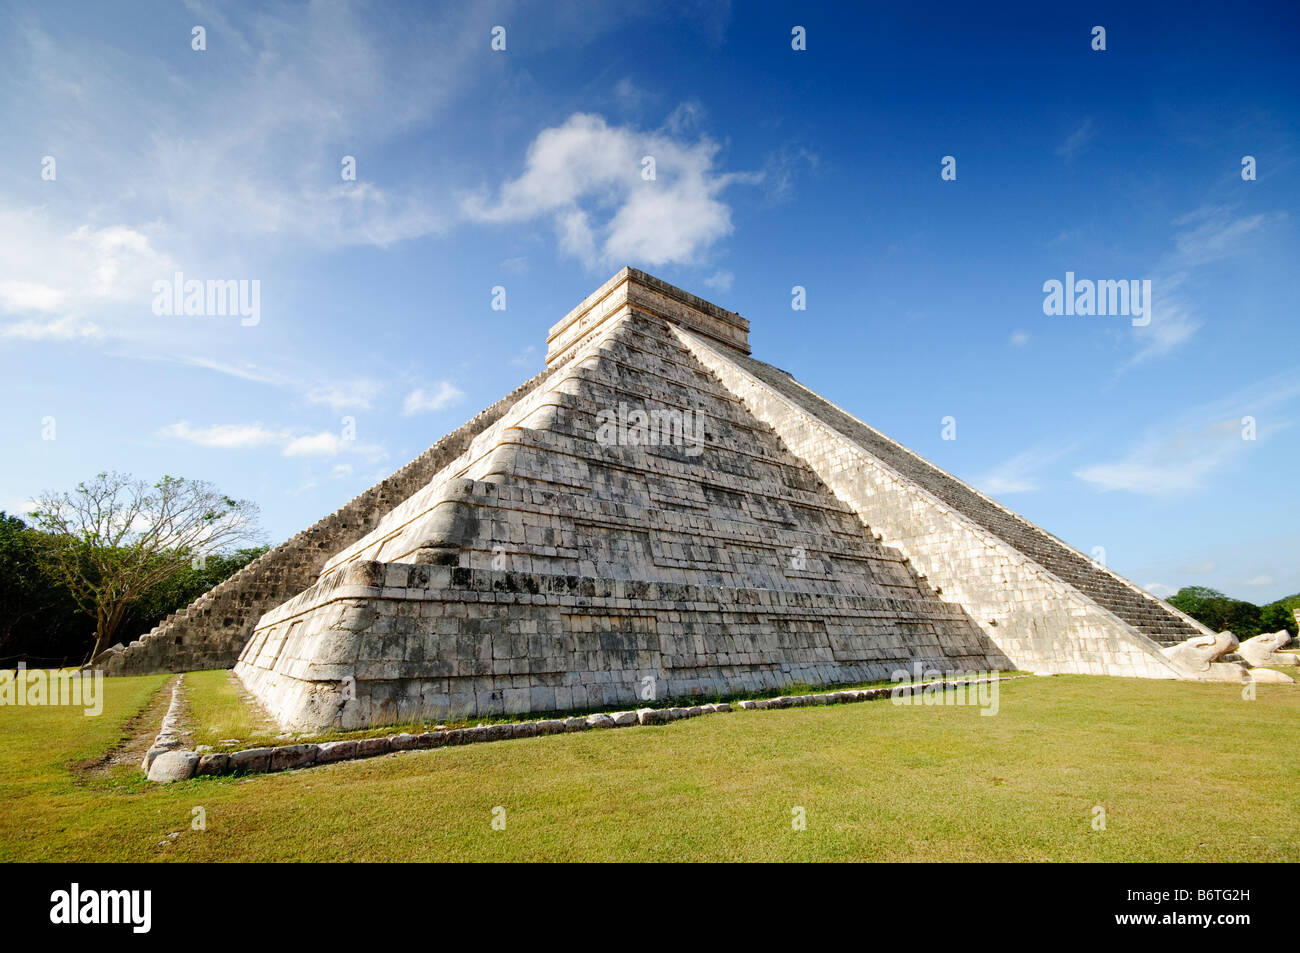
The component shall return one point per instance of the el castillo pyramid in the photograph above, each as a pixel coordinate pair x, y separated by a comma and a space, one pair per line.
656, 514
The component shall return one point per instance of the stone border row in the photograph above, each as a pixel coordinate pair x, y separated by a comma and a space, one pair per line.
169, 735
172, 765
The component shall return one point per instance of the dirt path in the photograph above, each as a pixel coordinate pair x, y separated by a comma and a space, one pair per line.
139, 733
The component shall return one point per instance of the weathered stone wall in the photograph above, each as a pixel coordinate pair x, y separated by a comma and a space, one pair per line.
387, 643
536, 492
1148, 614
1040, 622
212, 630
728, 568
635, 289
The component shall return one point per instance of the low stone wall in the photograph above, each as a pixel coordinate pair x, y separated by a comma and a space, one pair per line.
386, 643
260, 760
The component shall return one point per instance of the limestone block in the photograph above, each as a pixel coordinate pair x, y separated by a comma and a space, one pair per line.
328, 751
213, 764
292, 756
149, 757
371, 747
173, 766
251, 760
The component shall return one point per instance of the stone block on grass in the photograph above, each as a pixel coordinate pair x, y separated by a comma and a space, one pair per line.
251, 760
292, 756
328, 751
213, 764
173, 766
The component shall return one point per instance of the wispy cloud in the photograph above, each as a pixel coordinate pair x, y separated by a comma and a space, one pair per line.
345, 395
57, 329
222, 436
1180, 456
18, 296
253, 436
1079, 137
441, 395
720, 281
1021, 473
1206, 235
1214, 232
525, 357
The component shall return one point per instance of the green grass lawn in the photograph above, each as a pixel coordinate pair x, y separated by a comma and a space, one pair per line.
222, 715
1184, 771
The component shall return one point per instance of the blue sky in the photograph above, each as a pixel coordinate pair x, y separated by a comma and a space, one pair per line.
774, 168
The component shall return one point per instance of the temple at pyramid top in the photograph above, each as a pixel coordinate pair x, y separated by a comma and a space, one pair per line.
657, 507
633, 289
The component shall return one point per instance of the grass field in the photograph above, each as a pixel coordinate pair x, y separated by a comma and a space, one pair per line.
224, 716
1185, 772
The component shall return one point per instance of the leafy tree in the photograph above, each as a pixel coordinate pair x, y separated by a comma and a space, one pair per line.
36, 614
1196, 601
1280, 615
1244, 619
114, 539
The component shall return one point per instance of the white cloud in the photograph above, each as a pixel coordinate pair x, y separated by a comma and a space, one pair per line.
524, 357
782, 167
1206, 235
586, 176
326, 443
1166, 464
341, 395
1180, 456
420, 401
255, 435
1020, 474
20, 508
29, 296
1018, 339
1263, 580
720, 281
244, 371
1171, 324
61, 277
1159, 589
1076, 140
222, 436
60, 329
1212, 233
330, 444
629, 95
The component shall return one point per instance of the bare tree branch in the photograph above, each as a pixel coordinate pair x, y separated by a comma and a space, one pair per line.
117, 537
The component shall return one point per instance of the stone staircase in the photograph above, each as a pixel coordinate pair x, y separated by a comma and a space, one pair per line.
1148, 614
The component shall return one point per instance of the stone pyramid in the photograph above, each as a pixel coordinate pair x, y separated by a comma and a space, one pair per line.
655, 515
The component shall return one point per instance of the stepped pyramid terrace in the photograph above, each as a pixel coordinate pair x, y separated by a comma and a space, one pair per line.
657, 514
